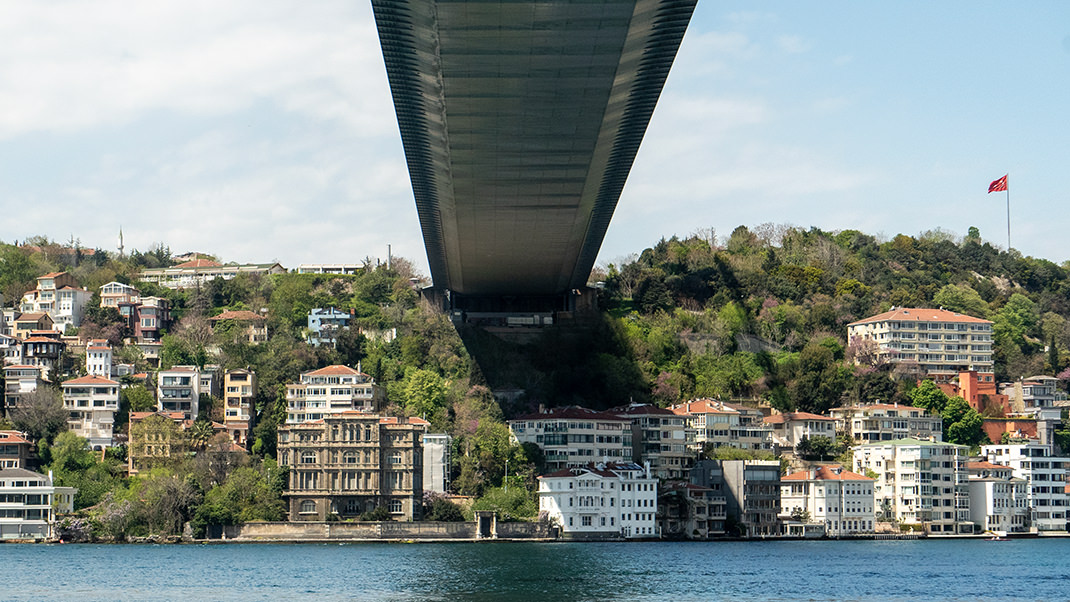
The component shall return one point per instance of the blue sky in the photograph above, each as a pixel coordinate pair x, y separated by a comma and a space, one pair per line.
261, 130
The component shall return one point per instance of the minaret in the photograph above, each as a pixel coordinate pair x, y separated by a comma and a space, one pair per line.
120, 242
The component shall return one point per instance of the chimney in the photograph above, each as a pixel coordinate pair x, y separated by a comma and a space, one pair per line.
812, 473
542, 408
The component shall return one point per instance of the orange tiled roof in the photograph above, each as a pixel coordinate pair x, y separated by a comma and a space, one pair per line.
32, 316
199, 263
334, 370
913, 314
13, 437
51, 275
90, 380
702, 406
985, 465
782, 418
825, 473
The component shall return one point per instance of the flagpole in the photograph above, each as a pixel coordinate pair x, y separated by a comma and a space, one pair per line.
1008, 216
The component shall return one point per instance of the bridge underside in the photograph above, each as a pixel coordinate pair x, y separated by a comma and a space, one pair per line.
520, 122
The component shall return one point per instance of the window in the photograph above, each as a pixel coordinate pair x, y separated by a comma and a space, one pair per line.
308, 507
308, 457
395, 457
395, 507
585, 521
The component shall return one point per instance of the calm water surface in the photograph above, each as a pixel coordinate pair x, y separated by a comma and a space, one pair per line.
730, 571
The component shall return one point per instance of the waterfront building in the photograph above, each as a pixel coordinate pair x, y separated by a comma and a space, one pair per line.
942, 343
349, 463
1045, 472
29, 502
573, 436
239, 404
751, 489
331, 390
199, 272
840, 500
179, 390
325, 324
658, 437
790, 428
919, 482
15, 450
999, 501
601, 501
711, 423
436, 463
887, 422
690, 511
92, 402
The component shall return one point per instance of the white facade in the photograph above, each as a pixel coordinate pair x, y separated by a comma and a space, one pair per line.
887, 422
114, 293
1046, 477
659, 437
437, 462
715, 424
28, 503
331, 390
998, 501
602, 501
98, 358
573, 436
92, 402
70, 307
790, 428
179, 390
839, 499
330, 268
10, 350
920, 482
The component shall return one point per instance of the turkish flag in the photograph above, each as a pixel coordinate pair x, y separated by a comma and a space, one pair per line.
999, 185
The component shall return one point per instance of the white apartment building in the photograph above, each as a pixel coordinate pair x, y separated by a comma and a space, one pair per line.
179, 390
887, 422
573, 436
20, 380
1045, 474
1034, 393
790, 428
919, 482
436, 462
716, 424
29, 502
10, 350
599, 501
942, 343
331, 390
841, 500
92, 402
999, 501
114, 293
98, 358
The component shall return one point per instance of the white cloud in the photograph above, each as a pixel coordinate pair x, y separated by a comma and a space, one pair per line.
793, 44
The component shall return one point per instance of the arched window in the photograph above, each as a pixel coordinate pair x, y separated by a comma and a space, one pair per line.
308, 457
395, 507
350, 457
308, 507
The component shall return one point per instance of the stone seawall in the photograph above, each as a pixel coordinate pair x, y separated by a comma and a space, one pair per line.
373, 531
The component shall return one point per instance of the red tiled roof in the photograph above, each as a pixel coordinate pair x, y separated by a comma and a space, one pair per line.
572, 412
22, 367
912, 314
782, 418
199, 263
703, 406
641, 409
32, 316
826, 473
40, 340
51, 275
240, 314
90, 380
334, 370
985, 465
13, 437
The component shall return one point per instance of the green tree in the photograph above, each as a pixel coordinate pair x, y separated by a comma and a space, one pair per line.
425, 395
928, 396
963, 299
40, 414
139, 399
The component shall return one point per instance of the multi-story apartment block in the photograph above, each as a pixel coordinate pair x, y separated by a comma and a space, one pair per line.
251, 327
714, 424
658, 437
919, 482
211, 380
350, 463
1034, 393
113, 294
29, 503
942, 343
239, 404
839, 499
887, 422
689, 511
751, 489
98, 358
15, 450
58, 295
20, 380
325, 324
573, 436
199, 272
437, 462
331, 390
1046, 475
602, 501
999, 501
92, 402
792, 427
148, 318
179, 390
